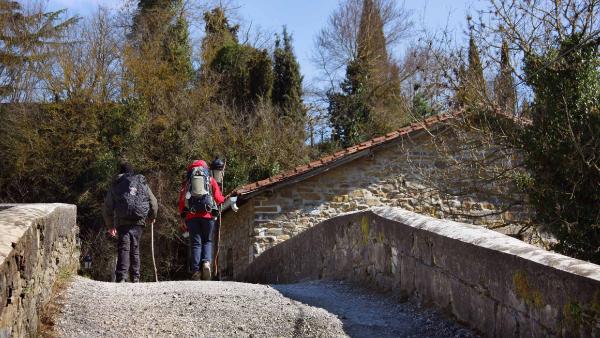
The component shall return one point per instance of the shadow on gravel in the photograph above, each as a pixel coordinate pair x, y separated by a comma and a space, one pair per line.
364, 313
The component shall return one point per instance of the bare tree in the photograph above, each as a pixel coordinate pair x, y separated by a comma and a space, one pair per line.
89, 67
337, 43
533, 27
481, 155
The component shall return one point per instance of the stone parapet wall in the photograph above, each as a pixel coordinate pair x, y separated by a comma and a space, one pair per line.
38, 244
500, 286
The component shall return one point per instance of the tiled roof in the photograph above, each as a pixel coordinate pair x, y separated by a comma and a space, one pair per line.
336, 158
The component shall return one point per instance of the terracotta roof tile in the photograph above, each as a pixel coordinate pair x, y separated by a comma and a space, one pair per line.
330, 159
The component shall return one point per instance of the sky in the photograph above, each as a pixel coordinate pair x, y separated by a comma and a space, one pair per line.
305, 18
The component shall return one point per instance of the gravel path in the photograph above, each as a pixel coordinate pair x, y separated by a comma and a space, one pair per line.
226, 309
369, 314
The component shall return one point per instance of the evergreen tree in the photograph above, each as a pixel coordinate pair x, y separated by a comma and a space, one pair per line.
349, 111
240, 75
371, 45
472, 85
561, 146
475, 70
178, 52
23, 41
245, 75
504, 85
287, 84
162, 22
219, 33
370, 102
383, 75
421, 107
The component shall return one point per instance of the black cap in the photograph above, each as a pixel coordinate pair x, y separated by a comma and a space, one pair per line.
125, 167
217, 164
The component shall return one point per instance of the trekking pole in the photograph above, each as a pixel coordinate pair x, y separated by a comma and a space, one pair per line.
152, 240
216, 265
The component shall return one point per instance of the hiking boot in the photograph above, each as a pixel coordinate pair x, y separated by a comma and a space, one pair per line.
197, 275
122, 280
136, 280
206, 271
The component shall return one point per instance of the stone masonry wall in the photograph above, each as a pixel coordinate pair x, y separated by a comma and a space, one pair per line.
237, 245
387, 178
498, 285
38, 244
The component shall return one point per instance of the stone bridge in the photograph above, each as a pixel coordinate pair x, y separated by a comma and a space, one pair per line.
374, 273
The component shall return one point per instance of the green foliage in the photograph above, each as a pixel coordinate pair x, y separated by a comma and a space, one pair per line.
504, 84
256, 146
23, 39
472, 87
178, 52
562, 145
219, 33
246, 74
421, 107
67, 151
287, 84
62, 153
370, 101
371, 44
349, 110
163, 22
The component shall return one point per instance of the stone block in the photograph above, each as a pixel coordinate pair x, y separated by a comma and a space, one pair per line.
264, 239
304, 188
259, 231
271, 225
372, 202
274, 232
286, 193
311, 196
341, 198
259, 223
357, 194
267, 209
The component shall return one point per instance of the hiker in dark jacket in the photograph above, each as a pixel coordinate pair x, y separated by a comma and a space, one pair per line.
128, 206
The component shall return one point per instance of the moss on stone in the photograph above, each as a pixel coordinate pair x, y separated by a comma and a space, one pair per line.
364, 227
531, 296
596, 302
573, 314
577, 315
381, 237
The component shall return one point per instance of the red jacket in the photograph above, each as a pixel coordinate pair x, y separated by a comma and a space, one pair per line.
217, 195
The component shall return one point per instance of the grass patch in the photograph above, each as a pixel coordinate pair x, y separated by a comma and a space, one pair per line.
52, 309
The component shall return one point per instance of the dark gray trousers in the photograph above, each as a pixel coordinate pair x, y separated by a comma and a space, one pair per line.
129, 252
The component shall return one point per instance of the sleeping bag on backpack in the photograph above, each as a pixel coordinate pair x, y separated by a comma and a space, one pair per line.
199, 191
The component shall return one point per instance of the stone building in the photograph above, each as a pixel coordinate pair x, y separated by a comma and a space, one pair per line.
401, 169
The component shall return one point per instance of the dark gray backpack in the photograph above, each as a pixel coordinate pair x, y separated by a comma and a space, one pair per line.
130, 196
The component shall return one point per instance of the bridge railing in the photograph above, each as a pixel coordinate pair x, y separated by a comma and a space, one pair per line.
496, 284
37, 246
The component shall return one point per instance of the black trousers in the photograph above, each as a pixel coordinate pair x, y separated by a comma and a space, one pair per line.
129, 252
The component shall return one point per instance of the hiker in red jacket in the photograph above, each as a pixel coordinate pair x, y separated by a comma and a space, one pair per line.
199, 198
